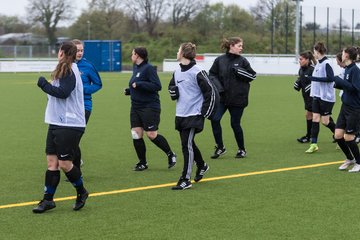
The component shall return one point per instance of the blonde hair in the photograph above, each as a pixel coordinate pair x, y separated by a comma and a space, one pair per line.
63, 68
77, 42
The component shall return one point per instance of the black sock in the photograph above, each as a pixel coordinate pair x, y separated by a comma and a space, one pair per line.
162, 143
331, 125
77, 158
75, 178
308, 128
345, 148
52, 179
140, 149
314, 132
354, 150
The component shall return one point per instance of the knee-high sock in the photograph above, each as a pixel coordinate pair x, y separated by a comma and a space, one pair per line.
162, 143
77, 158
140, 149
75, 178
315, 132
354, 150
331, 125
308, 128
52, 179
345, 148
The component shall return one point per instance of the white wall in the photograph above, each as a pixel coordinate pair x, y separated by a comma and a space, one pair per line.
28, 65
262, 64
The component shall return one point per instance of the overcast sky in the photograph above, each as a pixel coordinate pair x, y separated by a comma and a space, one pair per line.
17, 7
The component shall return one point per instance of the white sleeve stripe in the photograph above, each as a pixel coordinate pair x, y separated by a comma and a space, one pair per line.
212, 100
246, 74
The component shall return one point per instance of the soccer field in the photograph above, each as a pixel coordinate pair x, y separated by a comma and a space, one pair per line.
276, 192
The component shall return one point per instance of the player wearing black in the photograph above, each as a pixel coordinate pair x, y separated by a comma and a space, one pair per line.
347, 124
323, 94
66, 118
196, 99
307, 62
231, 74
145, 108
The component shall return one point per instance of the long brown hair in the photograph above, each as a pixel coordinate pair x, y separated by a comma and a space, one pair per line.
63, 68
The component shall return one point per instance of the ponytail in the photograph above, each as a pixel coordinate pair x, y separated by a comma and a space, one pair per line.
226, 43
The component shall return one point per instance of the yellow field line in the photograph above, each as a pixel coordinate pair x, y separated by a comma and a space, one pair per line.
172, 184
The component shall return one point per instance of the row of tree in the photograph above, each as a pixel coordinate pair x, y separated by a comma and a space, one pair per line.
161, 25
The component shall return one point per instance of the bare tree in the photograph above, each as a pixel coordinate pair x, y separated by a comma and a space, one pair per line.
104, 5
12, 24
49, 13
111, 15
274, 14
149, 10
183, 11
263, 9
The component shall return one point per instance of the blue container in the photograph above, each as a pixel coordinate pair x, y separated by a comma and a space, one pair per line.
104, 54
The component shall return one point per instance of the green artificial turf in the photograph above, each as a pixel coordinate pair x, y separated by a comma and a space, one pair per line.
310, 203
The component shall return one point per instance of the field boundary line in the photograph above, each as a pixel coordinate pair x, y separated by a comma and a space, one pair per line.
173, 183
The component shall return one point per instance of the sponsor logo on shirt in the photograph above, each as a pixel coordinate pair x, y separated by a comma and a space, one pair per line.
179, 81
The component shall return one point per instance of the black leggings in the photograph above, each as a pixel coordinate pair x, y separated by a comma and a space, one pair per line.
235, 121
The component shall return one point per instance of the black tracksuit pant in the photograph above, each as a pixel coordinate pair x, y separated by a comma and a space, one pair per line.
190, 151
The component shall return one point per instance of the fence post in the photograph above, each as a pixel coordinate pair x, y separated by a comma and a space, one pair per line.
353, 27
298, 29
314, 28
287, 28
301, 31
327, 29
272, 29
340, 37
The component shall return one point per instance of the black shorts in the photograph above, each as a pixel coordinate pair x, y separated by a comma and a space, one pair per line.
308, 101
196, 122
322, 107
62, 142
146, 118
348, 119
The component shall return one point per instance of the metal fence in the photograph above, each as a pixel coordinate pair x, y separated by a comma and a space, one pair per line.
336, 27
27, 51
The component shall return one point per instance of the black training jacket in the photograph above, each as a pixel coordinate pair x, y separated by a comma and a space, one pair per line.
303, 83
232, 75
